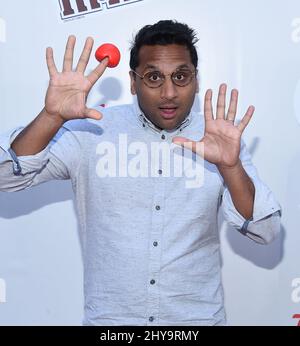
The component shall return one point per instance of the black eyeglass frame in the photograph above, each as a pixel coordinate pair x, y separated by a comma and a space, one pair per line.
193, 73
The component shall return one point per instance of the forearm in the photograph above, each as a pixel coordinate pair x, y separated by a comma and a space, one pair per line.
241, 188
37, 135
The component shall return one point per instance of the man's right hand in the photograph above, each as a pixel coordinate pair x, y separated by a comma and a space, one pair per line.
68, 90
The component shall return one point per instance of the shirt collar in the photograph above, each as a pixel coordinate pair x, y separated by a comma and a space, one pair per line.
146, 123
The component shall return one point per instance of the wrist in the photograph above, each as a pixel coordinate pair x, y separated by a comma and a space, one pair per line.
230, 169
53, 118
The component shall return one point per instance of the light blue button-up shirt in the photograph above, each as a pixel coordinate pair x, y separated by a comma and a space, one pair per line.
149, 235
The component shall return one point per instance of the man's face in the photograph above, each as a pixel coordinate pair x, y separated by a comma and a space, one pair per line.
168, 105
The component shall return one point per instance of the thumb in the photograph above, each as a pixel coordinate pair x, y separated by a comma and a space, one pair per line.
92, 113
196, 147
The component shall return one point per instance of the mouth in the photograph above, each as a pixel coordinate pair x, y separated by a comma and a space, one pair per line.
168, 112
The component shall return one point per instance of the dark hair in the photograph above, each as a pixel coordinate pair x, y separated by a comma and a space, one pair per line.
163, 33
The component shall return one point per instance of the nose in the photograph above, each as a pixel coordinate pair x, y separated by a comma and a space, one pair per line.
168, 89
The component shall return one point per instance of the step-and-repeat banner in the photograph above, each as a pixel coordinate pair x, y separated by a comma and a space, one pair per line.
251, 45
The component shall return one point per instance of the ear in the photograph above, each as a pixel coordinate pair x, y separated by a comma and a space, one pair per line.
132, 83
197, 86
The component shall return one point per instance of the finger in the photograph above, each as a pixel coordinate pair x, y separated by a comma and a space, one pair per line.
92, 114
69, 52
247, 117
233, 105
50, 62
196, 147
208, 110
98, 71
85, 55
221, 102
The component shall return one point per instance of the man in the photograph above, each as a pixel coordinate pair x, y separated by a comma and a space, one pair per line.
149, 240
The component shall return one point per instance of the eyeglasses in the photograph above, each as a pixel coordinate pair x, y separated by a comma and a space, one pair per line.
155, 79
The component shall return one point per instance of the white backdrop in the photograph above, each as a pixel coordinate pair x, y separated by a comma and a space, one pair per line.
253, 46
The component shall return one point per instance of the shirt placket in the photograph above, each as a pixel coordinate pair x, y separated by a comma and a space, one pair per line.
155, 248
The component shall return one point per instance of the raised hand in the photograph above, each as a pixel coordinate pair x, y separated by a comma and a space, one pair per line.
220, 144
68, 90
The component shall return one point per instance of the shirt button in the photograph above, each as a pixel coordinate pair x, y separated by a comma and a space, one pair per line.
151, 318
152, 282
159, 171
163, 137
157, 207
155, 243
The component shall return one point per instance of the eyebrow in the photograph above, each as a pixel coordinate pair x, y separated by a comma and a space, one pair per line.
156, 68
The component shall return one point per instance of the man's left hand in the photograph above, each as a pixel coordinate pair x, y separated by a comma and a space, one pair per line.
220, 144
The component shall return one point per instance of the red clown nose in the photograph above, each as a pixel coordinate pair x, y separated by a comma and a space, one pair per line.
111, 52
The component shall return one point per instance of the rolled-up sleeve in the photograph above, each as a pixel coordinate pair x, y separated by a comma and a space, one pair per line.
264, 225
59, 160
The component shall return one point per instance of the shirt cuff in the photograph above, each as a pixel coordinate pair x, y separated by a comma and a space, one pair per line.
264, 205
263, 226
20, 164
16, 164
